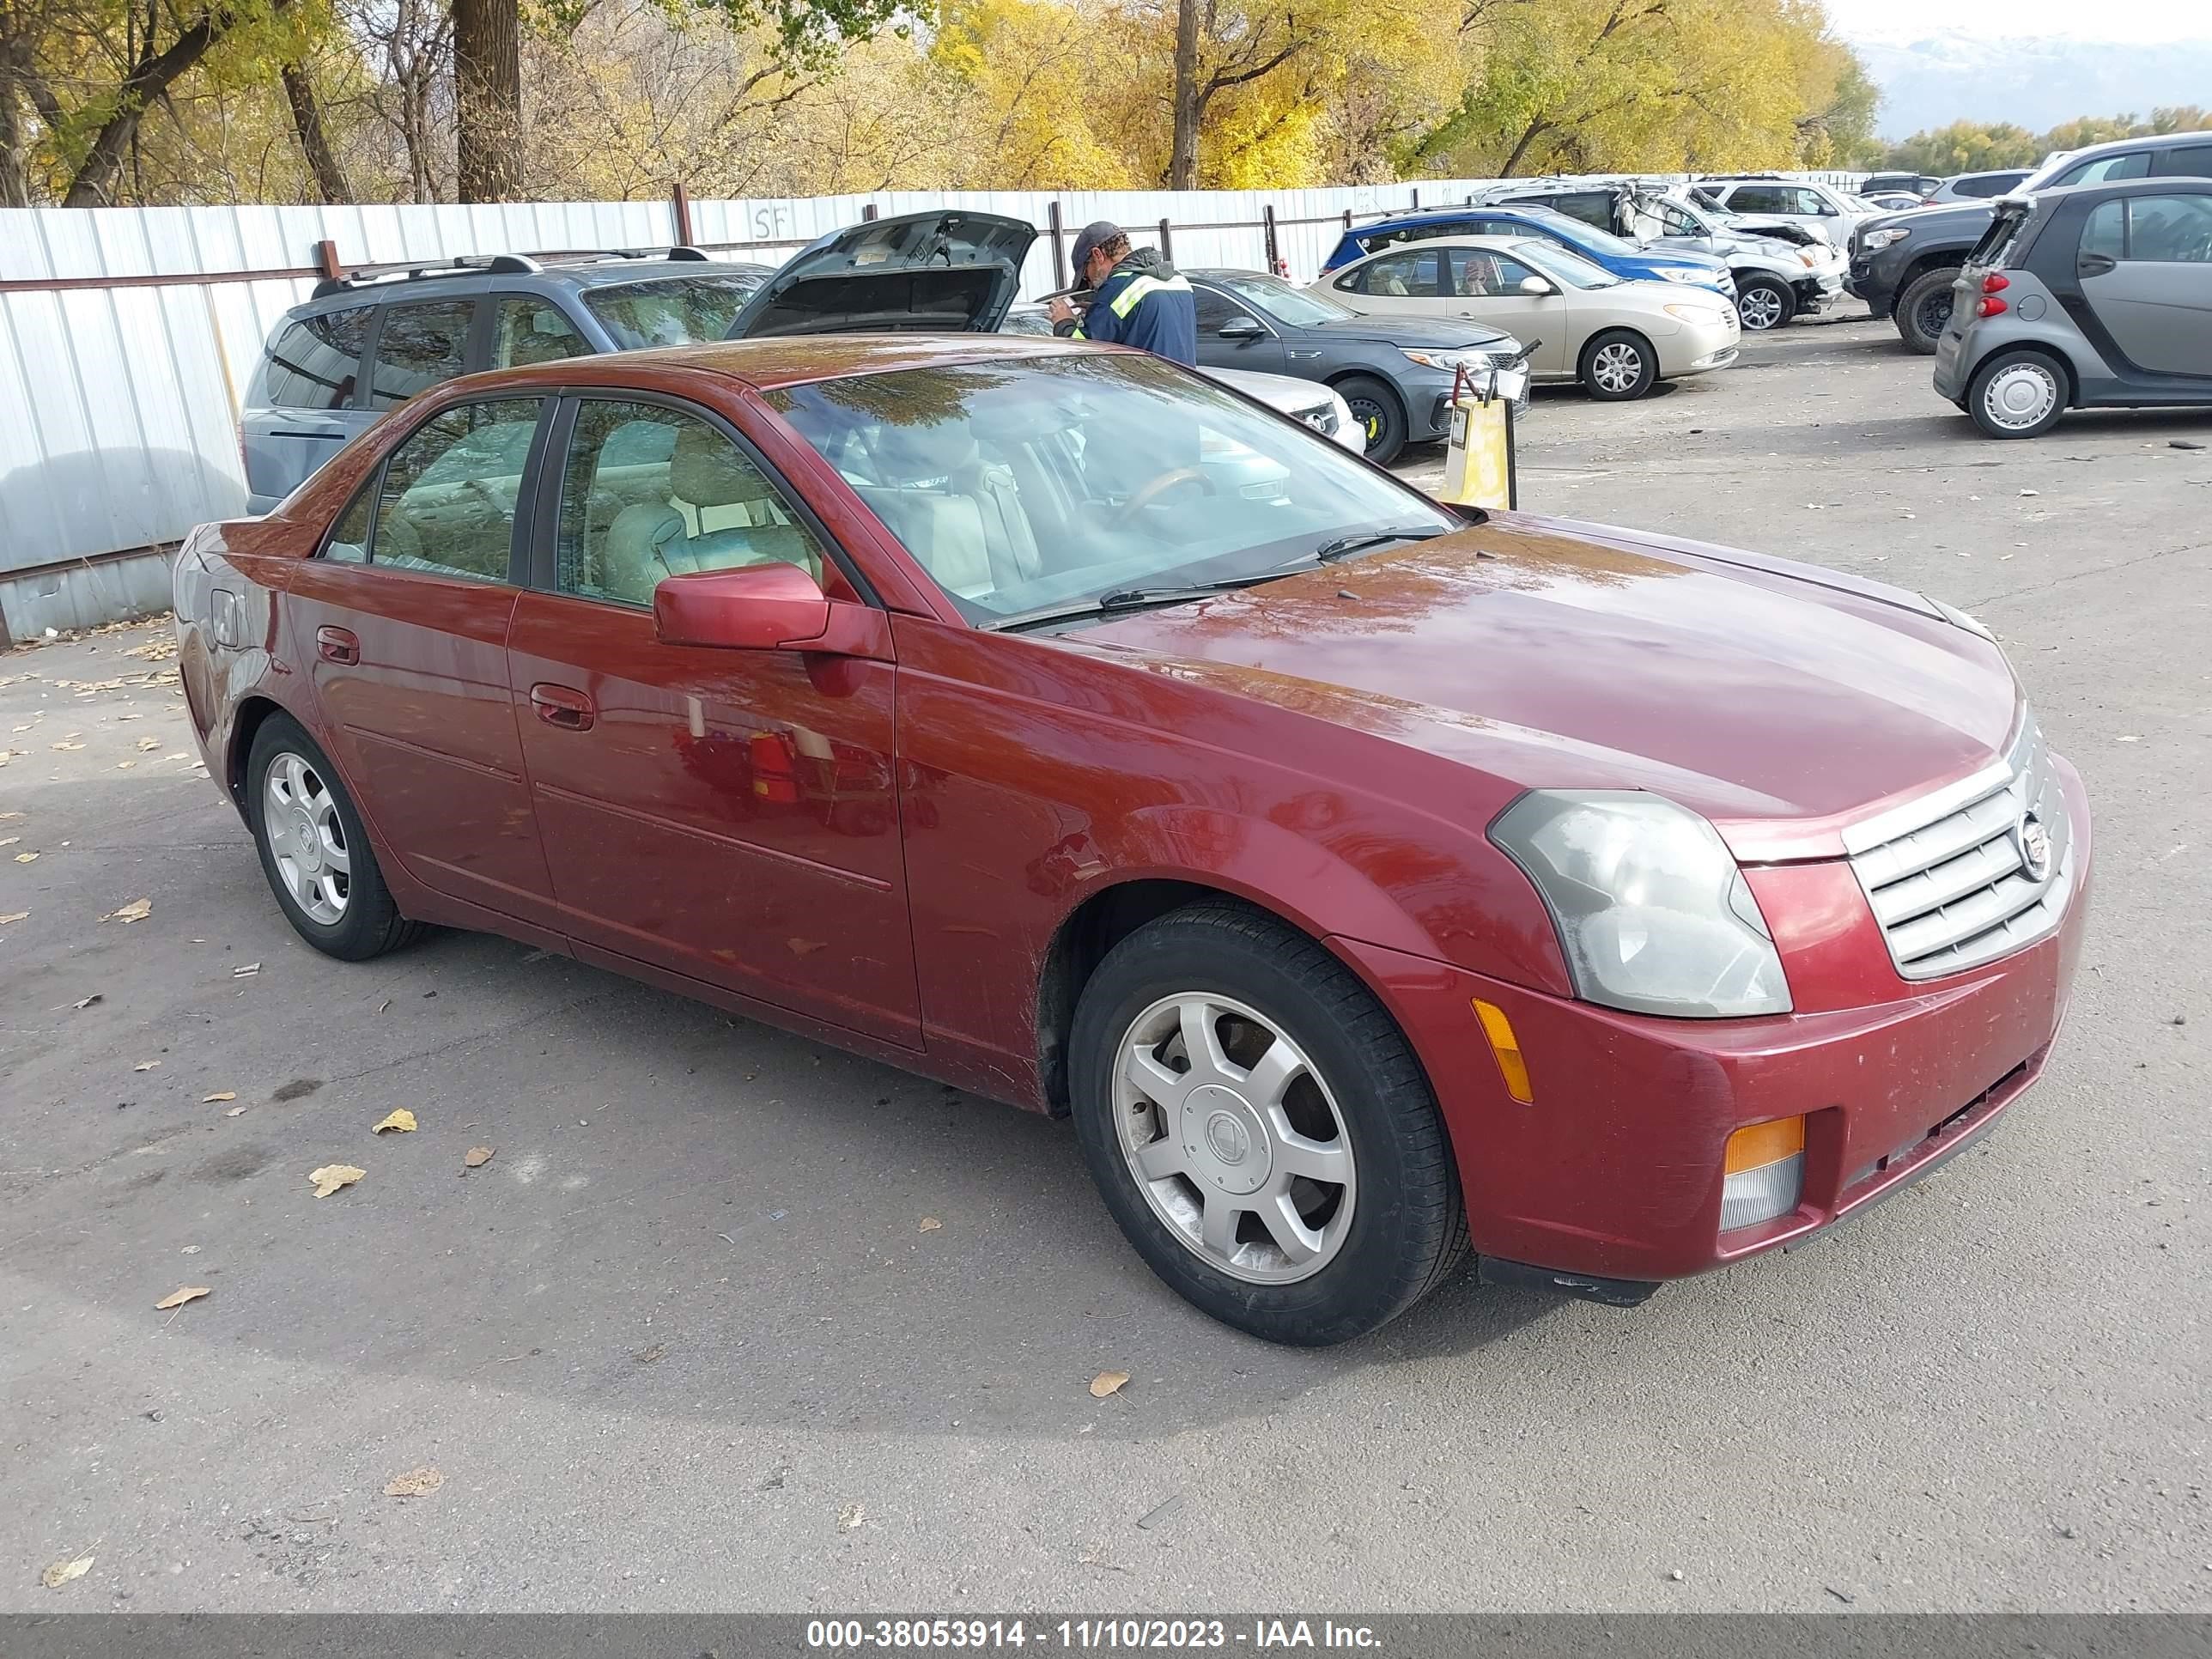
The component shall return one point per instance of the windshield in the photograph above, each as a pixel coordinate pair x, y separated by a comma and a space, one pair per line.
673, 311
1563, 263
1281, 300
1028, 485
1584, 236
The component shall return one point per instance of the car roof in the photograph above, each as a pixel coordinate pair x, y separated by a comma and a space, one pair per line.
609, 271
1436, 216
2164, 184
782, 360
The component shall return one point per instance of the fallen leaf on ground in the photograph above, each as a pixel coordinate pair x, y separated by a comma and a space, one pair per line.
9, 841
24, 915
478, 1157
8, 818
226, 1094
136, 910
63, 1572
124, 766
81, 1003
414, 1483
2129, 737
1108, 1383
144, 744
146, 1066
235, 1111
69, 745
177, 1298
648, 1356
850, 1517
402, 1119
247, 972
930, 1224
26, 858
332, 1177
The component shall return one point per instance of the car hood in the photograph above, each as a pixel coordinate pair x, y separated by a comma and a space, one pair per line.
1781, 701
1737, 242
1957, 216
945, 271
1428, 335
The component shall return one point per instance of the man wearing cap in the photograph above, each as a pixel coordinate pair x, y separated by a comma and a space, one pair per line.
1137, 299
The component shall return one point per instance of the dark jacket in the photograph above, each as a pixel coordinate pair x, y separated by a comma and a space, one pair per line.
1142, 303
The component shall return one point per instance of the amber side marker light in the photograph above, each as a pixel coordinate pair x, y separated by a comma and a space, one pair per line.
1763, 1172
1507, 1048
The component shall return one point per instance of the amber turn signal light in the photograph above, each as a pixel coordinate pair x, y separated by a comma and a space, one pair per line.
1506, 1047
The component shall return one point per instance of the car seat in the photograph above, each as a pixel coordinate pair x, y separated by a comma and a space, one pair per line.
960, 515
653, 539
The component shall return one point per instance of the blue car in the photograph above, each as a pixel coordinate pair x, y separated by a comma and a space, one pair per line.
1624, 259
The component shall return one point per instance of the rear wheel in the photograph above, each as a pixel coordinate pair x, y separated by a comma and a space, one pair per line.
1764, 302
315, 850
1618, 365
1379, 415
2017, 394
1261, 1129
1924, 310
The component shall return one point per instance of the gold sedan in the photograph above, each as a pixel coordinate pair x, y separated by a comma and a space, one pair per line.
1617, 338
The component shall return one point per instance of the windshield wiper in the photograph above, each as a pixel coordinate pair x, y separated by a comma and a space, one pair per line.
1360, 540
1131, 598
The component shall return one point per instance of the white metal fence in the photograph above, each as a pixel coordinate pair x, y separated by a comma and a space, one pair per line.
127, 336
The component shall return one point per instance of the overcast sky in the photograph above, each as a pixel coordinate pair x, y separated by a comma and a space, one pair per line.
2139, 20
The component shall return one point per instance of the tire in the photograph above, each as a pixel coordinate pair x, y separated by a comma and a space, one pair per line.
1764, 304
1618, 366
304, 824
1377, 1240
1380, 413
2019, 393
1924, 309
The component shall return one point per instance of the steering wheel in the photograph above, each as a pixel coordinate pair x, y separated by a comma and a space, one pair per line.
1158, 487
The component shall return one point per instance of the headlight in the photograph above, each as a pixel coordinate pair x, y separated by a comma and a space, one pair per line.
1875, 240
1808, 260
1447, 361
1676, 274
1959, 619
1653, 915
1696, 313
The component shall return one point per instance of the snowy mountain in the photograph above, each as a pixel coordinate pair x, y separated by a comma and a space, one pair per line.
1950, 75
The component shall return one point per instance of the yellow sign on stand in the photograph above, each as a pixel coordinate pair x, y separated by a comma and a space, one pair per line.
1479, 461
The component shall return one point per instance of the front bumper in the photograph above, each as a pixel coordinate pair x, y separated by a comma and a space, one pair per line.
1614, 1174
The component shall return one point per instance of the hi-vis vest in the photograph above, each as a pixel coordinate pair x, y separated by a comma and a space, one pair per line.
1145, 303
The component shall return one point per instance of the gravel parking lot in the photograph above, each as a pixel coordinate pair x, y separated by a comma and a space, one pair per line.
733, 1322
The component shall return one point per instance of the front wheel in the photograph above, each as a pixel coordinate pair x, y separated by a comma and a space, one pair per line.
1618, 365
1764, 302
1261, 1129
2017, 394
1924, 310
315, 850
1382, 418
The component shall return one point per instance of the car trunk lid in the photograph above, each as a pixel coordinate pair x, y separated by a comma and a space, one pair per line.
945, 271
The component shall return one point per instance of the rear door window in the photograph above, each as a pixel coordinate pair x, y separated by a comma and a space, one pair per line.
526, 330
1410, 275
2133, 165
2169, 230
1761, 198
315, 362
419, 347
447, 501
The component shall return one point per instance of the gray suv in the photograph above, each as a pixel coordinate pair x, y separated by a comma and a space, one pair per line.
2095, 297
364, 342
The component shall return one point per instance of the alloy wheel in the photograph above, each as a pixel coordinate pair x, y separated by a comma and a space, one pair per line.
1759, 309
306, 837
1233, 1138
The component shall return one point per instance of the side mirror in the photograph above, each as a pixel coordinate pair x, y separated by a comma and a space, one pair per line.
755, 607
1535, 286
1240, 328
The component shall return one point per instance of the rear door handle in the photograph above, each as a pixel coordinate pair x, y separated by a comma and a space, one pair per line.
563, 706
2094, 265
337, 645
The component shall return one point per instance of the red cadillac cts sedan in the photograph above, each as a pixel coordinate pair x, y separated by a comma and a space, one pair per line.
1370, 880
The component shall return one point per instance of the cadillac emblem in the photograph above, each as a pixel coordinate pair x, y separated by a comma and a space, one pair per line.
2034, 847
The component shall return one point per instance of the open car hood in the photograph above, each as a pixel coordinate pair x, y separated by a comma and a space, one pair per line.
945, 272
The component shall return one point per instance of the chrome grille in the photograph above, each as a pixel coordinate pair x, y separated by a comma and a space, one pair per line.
1947, 875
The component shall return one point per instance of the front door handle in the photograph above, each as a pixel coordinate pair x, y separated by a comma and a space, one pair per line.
337, 645
2094, 265
563, 706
